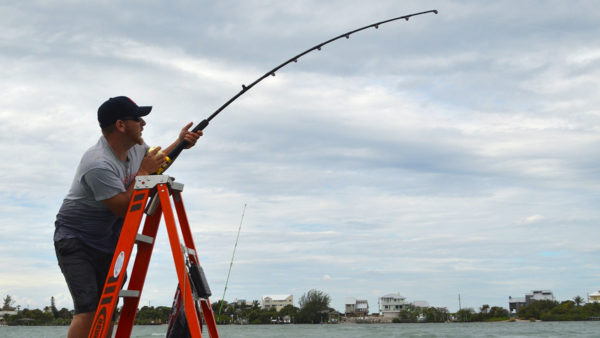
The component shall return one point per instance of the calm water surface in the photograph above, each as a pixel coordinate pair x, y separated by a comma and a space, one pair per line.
503, 329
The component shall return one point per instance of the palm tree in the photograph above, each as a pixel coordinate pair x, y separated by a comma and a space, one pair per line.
578, 300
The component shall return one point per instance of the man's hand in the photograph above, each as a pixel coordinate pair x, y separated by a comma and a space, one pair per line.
189, 136
153, 160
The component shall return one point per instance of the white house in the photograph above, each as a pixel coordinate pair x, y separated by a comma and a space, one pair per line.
277, 301
6, 312
356, 306
391, 304
539, 295
594, 297
516, 303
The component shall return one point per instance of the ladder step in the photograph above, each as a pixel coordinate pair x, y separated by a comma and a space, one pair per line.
140, 238
129, 293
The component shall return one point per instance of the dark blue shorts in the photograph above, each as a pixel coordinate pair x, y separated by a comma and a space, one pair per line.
85, 271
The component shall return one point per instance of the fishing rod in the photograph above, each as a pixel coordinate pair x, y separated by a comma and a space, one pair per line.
173, 154
232, 256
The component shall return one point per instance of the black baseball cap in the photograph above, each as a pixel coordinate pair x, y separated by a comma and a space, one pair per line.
118, 108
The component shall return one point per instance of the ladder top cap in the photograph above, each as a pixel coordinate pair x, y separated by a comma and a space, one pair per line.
151, 181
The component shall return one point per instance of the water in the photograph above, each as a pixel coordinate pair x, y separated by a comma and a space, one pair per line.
473, 330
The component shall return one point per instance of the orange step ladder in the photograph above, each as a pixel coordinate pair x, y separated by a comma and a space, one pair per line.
152, 196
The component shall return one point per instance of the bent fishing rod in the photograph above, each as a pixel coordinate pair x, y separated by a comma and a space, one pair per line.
173, 154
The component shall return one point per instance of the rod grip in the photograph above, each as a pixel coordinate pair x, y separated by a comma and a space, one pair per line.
201, 125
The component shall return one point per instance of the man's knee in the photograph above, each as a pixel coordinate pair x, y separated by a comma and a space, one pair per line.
81, 325
85, 315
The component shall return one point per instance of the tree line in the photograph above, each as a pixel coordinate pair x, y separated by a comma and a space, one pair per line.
313, 308
545, 310
50, 315
485, 314
412, 314
548, 310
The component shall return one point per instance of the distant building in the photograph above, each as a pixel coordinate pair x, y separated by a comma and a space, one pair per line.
241, 302
391, 304
356, 306
538, 295
277, 301
594, 297
514, 304
6, 313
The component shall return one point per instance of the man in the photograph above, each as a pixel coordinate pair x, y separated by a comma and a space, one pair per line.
89, 221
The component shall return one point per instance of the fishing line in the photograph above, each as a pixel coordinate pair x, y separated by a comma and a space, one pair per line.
232, 256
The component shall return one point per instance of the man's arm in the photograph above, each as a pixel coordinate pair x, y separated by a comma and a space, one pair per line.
118, 204
189, 136
150, 164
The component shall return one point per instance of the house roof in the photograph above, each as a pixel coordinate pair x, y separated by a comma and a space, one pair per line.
277, 297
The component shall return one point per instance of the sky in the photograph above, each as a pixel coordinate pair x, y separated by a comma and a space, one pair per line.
451, 154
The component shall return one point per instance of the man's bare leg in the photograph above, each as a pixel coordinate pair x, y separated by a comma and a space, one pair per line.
81, 325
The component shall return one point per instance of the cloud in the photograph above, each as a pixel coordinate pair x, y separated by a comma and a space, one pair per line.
532, 219
399, 160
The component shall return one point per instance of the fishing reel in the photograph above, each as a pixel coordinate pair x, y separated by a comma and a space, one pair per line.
167, 158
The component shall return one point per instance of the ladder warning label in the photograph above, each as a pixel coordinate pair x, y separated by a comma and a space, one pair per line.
119, 264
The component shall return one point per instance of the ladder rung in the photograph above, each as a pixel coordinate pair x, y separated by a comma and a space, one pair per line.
129, 293
144, 239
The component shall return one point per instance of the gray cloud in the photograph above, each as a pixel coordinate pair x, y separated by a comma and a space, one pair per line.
452, 152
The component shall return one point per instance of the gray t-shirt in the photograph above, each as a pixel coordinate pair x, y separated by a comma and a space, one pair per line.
99, 176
